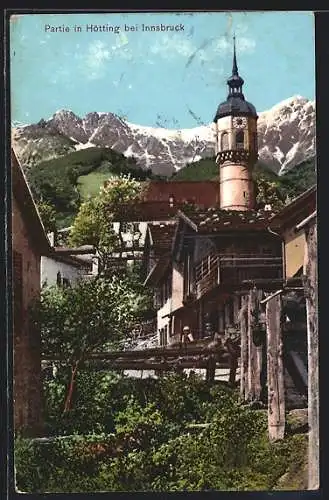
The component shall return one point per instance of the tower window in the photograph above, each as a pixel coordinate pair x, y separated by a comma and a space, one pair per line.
239, 140
224, 142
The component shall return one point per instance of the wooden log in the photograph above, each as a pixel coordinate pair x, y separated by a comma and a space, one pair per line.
275, 379
146, 365
156, 353
244, 349
311, 295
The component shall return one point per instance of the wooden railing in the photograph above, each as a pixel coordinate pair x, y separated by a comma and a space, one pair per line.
216, 269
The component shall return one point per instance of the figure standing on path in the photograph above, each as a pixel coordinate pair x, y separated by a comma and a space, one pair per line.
186, 337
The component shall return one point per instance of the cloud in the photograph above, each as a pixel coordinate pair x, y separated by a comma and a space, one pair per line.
178, 46
170, 46
100, 53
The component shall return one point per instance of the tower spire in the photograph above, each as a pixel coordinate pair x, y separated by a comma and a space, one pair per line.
235, 71
235, 81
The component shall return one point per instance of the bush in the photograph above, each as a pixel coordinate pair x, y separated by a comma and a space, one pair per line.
136, 437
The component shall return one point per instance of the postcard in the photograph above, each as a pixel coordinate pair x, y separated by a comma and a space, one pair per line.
164, 251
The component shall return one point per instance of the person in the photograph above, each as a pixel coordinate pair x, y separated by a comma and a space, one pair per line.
234, 351
186, 337
215, 343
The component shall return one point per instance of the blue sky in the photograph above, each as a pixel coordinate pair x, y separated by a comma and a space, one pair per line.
170, 79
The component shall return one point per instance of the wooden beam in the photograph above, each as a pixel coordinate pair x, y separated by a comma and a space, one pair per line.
311, 294
275, 379
176, 365
159, 352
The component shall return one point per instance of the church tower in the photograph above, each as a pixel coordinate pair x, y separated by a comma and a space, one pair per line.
236, 145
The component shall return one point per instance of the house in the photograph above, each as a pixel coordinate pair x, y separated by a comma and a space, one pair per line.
158, 272
29, 243
310, 271
159, 203
293, 239
216, 255
66, 266
227, 259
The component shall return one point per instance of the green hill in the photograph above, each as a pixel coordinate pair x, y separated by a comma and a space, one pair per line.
66, 181
291, 184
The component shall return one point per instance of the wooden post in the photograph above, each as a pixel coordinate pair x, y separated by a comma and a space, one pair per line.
253, 357
275, 379
311, 295
258, 352
244, 350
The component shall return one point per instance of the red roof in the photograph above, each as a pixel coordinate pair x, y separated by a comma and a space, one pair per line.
202, 193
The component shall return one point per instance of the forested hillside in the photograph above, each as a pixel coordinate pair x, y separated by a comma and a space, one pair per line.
66, 181
290, 185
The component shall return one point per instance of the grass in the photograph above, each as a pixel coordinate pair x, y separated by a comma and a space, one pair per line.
89, 185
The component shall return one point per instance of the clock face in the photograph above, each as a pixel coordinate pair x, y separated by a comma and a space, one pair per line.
239, 121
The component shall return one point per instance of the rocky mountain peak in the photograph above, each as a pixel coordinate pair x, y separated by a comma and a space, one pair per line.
286, 138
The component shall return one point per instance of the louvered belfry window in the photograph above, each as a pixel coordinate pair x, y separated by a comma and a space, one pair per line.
224, 142
239, 140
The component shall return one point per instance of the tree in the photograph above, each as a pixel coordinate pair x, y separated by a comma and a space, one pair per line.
268, 193
94, 222
77, 321
48, 215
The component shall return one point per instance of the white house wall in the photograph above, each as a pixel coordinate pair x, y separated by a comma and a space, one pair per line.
161, 321
50, 268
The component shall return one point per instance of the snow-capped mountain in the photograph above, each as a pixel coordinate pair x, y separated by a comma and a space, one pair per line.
286, 137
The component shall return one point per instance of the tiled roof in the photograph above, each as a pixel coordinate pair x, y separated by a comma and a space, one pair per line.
297, 210
157, 272
214, 219
162, 236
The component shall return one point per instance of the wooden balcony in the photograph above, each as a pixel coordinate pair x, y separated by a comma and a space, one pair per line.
232, 269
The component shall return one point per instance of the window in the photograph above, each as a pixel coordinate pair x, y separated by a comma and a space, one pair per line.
66, 282
224, 142
126, 227
59, 279
239, 140
161, 336
136, 227
165, 336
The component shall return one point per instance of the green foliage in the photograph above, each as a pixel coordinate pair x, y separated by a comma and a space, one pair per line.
57, 180
89, 185
298, 179
270, 188
202, 170
93, 222
149, 446
48, 215
75, 321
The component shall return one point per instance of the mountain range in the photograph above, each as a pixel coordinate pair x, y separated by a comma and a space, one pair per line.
286, 137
